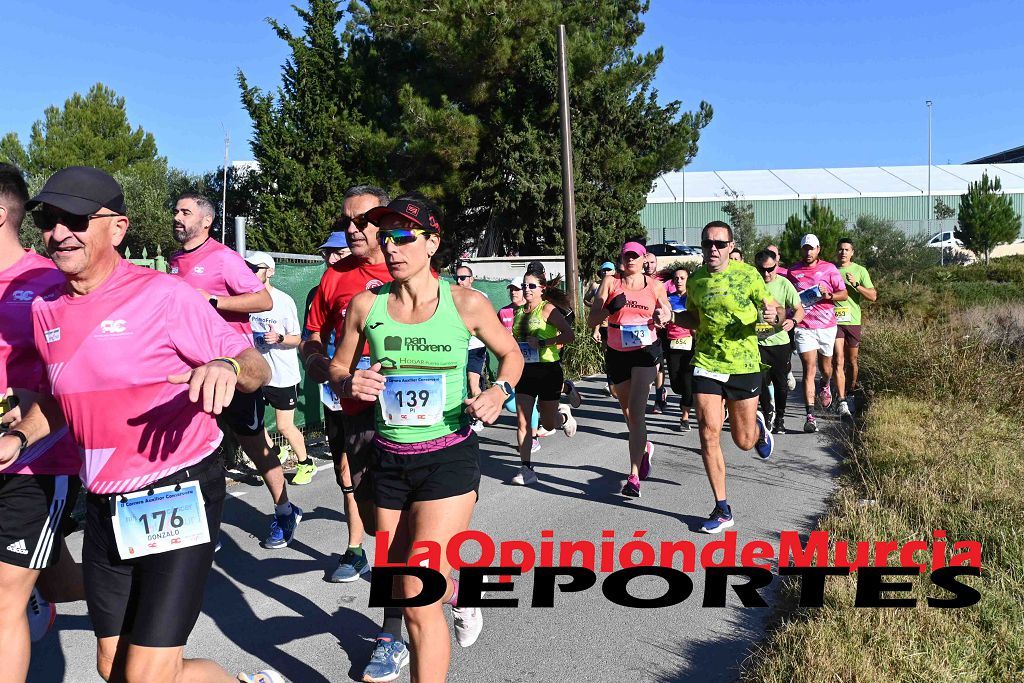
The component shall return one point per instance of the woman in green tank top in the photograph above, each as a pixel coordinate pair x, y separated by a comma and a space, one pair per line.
539, 328
426, 469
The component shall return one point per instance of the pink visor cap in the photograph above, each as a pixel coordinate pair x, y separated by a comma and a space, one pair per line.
634, 247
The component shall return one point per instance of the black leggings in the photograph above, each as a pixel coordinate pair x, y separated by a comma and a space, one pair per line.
680, 375
778, 360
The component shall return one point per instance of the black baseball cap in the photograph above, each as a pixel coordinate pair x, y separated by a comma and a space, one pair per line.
414, 210
80, 190
535, 268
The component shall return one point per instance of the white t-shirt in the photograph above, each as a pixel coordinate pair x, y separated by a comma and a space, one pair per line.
475, 343
283, 318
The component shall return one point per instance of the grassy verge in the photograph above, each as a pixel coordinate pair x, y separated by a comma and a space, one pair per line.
938, 448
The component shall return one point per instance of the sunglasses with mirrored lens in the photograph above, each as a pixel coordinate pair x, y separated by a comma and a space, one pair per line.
531, 285
717, 244
47, 221
399, 236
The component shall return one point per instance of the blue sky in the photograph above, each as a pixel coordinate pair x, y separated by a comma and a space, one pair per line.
793, 84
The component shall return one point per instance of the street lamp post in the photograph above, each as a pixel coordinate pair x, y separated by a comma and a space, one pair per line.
942, 255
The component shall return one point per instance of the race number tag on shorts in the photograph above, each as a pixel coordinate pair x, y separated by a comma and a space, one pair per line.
681, 344
843, 314
764, 330
530, 354
718, 376
636, 335
330, 399
413, 400
166, 518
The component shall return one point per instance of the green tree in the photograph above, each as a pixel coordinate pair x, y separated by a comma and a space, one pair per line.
887, 251
943, 211
986, 217
459, 100
818, 219
741, 218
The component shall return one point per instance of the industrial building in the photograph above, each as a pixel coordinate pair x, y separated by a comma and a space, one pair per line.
682, 203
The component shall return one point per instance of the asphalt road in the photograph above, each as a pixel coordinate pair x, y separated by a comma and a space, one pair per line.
275, 607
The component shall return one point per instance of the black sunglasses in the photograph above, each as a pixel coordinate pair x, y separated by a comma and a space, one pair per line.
257, 267
766, 269
717, 244
344, 222
46, 220
460, 278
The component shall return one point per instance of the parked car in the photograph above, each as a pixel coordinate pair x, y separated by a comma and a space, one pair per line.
944, 240
666, 249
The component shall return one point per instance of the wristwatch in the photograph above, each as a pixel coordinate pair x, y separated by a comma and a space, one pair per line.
213, 301
20, 435
505, 387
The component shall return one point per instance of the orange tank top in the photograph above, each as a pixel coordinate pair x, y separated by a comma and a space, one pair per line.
632, 326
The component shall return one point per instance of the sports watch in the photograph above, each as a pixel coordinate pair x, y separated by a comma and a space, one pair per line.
505, 387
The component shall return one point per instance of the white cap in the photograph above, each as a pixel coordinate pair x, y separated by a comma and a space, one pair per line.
513, 283
261, 258
811, 240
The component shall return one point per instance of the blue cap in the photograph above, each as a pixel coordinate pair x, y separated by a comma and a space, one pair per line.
607, 265
336, 240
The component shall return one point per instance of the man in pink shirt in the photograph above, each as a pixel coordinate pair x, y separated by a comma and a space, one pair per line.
819, 285
39, 486
224, 279
138, 365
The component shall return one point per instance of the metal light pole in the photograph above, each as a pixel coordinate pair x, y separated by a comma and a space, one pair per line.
224, 193
684, 200
568, 184
942, 250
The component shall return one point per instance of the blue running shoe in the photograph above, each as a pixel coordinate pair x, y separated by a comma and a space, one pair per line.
389, 657
282, 528
351, 566
717, 521
766, 442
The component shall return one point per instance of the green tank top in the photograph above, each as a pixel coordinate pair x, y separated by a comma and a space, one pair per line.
424, 366
537, 327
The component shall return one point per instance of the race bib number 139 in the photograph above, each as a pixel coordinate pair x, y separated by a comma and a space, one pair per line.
413, 400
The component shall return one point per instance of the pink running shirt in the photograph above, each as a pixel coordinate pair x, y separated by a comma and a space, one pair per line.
20, 365
220, 271
108, 354
823, 313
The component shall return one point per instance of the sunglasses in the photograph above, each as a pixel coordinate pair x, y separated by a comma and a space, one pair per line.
257, 267
399, 236
764, 269
47, 221
463, 278
344, 222
717, 244
531, 285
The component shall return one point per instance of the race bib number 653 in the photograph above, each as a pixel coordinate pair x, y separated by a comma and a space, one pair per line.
413, 400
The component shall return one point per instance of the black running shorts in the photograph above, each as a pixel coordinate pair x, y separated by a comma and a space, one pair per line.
620, 364
245, 413
543, 381
351, 436
282, 398
33, 509
737, 388
401, 479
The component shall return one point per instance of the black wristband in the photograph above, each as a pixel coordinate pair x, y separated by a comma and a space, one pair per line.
213, 301
21, 435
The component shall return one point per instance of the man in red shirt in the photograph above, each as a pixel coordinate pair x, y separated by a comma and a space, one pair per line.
222, 277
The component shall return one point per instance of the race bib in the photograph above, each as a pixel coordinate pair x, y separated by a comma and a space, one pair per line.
530, 354
634, 336
811, 296
681, 344
166, 518
764, 330
413, 400
330, 399
717, 376
843, 314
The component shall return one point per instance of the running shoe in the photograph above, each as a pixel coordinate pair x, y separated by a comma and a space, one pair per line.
569, 428
525, 477
280, 453
469, 621
791, 381
645, 464
780, 426
656, 410
282, 529
844, 409
718, 520
572, 393
389, 657
810, 424
41, 615
631, 487
351, 566
477, 426
825, 396
769, 416
535, 446
684, 425
541, 432
304, 472
607, 390
765, 444
265, 676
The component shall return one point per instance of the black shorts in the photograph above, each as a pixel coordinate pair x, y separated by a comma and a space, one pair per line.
33, 509
543, 381
476, 359
849, 334
244, 415
282, 398
738, 388
154, 600
352, 436
401, 479
619, 364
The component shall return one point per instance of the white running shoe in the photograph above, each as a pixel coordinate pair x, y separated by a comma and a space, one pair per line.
41, 615
569, 428
525, 477
477, 426
469, 621
844, 409
264, 676
541, 432
791, 381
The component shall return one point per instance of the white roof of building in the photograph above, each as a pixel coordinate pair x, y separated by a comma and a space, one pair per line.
830, 183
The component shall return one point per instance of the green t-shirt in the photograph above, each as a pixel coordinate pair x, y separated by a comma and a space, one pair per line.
785, 294
727, 304
848, 312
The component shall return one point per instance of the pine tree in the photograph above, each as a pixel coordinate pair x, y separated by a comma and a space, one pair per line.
818, 219
986, 217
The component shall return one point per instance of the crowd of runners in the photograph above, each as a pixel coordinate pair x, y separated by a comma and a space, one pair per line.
122, 380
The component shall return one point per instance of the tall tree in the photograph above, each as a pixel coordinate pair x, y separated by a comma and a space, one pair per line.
986, 217
741, 218
818, 219
459, 100
943, 211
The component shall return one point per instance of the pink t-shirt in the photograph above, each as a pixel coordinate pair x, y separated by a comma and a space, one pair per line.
823, 313
108, 354
507, 316
220, 271
31, 276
